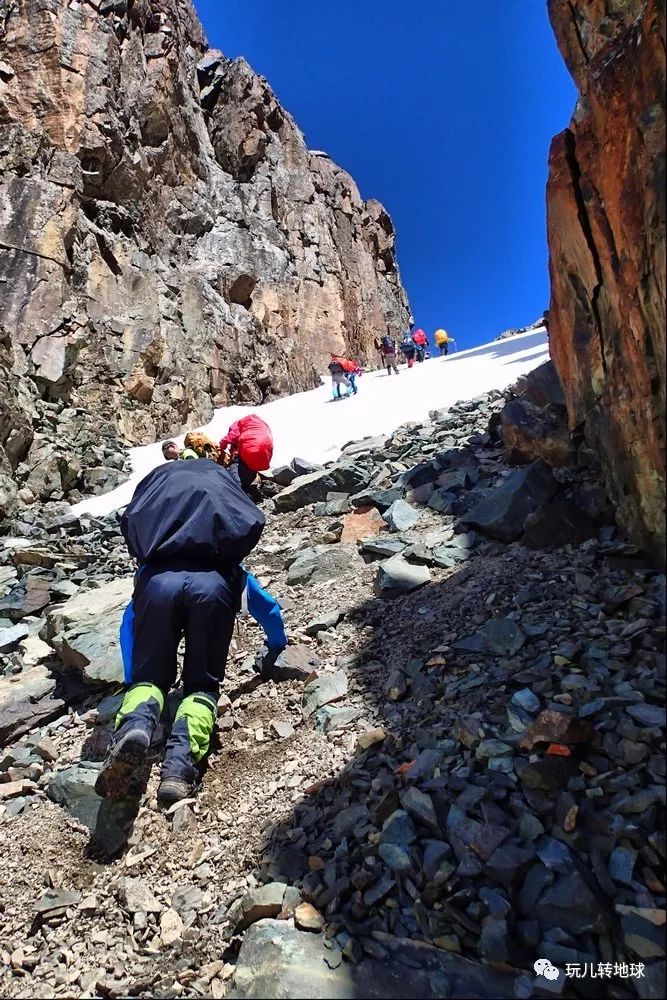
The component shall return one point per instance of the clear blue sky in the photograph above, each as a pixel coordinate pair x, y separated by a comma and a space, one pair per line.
443, 110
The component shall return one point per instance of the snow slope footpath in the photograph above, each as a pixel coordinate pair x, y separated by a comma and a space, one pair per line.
310, 425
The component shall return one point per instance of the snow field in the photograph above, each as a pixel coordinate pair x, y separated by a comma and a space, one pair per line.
309, 425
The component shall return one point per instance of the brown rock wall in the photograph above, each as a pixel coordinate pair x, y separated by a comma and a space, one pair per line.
606, 229
168, 243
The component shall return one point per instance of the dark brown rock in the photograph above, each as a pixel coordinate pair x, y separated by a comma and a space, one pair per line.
606, 229
531, 432
556, 727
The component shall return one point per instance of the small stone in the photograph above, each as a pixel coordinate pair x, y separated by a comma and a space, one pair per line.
307, 918
503, 636
496, 904
632, 804
370, 738
324, 621
621, 864
647, 715
396, 857
494, 945
46, 749
398, 829
187, 899
347, 819
396, 687
377, 892
171, 928
492, 748
420, 807
12, 636
323, 689
526, 699
136, 897
555, 855
401, 516
396, 575
556, 727
264, 901
642, 937
13, 789
57, 899
282, 729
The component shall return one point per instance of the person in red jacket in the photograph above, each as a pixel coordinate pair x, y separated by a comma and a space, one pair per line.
249, 443
351, 369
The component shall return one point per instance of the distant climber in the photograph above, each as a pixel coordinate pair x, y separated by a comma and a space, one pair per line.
420, 340
201, 445
388, 345
408, 350
377, 343
171, 452
339, 380
442, 341
189, 526
351, 368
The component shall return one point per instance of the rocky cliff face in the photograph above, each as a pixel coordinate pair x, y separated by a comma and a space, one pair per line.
606, 226
168, 243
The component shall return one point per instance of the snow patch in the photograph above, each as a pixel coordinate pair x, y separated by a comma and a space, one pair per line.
311, 426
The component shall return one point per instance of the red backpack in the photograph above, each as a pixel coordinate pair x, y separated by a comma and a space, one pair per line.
251, 439
419, 337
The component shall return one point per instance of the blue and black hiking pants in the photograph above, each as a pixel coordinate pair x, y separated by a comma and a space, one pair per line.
172, 601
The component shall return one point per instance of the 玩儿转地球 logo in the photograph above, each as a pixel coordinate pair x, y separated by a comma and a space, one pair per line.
543, 967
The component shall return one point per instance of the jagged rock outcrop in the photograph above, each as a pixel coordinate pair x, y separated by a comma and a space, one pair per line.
167, 240
606, 227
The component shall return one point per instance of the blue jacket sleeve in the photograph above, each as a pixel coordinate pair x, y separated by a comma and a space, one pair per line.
127, 641
266, 611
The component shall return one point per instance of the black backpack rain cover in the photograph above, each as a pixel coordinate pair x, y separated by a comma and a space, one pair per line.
191, 510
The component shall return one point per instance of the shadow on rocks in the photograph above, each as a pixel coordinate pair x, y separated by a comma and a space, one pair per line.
506, 788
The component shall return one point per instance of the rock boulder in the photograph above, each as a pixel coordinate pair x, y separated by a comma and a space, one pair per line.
85, 631
503, 513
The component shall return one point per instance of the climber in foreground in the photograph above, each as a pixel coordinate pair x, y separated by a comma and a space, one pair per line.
189, 525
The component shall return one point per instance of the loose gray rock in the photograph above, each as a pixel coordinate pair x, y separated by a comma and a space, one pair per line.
264, 901
324, 688
12, 636
503, 513
329, 619
109, 822
85, 631
396, 576
275, 954
401, 516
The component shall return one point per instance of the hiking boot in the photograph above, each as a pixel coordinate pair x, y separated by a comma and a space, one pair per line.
188, 744
174, 789
135, 724
128, 752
